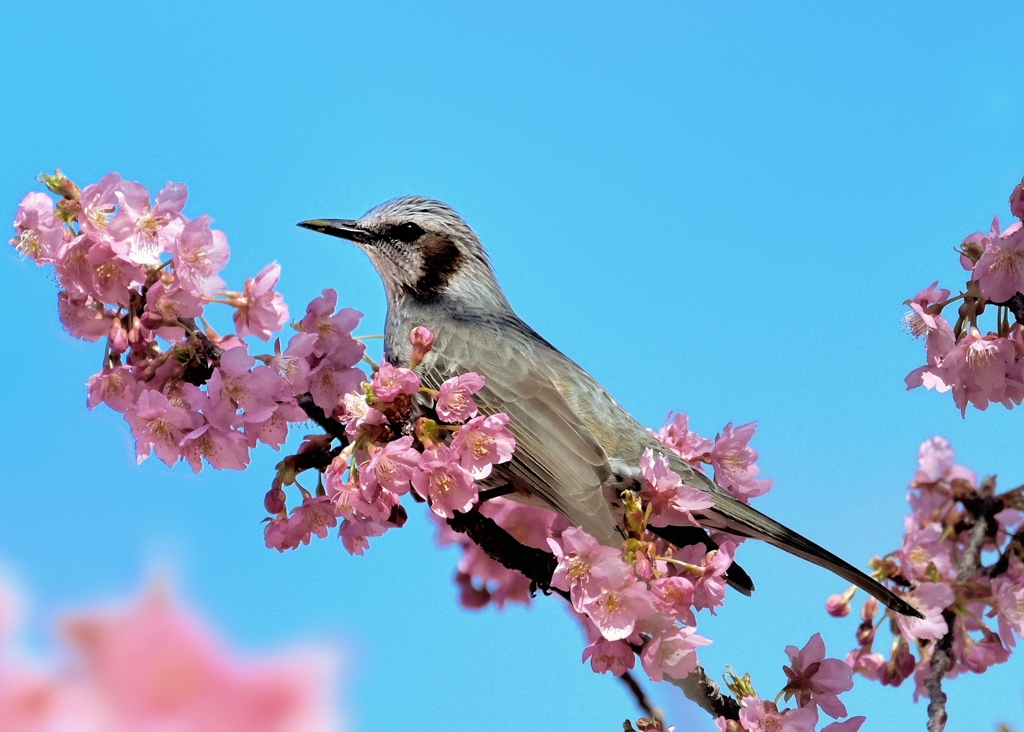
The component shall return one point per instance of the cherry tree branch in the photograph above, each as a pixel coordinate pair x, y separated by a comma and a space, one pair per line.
328, 424
942, 659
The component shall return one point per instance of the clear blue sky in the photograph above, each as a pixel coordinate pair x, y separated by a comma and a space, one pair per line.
715, 209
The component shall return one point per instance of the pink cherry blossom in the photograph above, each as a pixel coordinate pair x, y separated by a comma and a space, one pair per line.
757, 715
931, 598
1008, 608
390, 381
391, 467
116, 387
869, 665
83, 317
223, 449
925, 552
199, 254
688, 445
141, 233
814, 679
358, 415
235, 386
40, 233
674, 595
920, 320
273, 431
260, 311
482, 442
982, 370
735, 462
579, 554
314, 516
936, 459
327, 384
447, 485
169, 302
671, 501
97, 205
672, 653
154, 666
113, 279
455, 401
616, 601
614, 656
332, 330
708, 573
1000, 271
158, 425
356, 533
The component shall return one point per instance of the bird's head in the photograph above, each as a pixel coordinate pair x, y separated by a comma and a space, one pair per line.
422, 249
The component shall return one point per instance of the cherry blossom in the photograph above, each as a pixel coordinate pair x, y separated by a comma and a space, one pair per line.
259, 310
455, 397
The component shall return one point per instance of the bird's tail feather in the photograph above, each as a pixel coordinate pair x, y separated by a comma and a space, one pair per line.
736, 517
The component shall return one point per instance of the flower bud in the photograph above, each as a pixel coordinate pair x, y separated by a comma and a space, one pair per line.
870, 609
118, 337
422, 340
274, 501
1017, 201
838, 606
60, 185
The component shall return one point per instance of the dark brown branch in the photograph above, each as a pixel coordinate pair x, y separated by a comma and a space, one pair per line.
328, 424
313, 459
536, 565
942, 658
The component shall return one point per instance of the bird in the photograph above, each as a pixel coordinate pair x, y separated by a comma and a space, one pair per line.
577, 449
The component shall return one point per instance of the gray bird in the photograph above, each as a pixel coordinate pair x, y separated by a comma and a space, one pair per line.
577, 449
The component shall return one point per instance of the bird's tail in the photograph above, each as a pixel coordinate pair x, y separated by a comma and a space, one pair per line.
736, 517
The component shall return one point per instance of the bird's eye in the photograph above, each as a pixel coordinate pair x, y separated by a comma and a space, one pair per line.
407, 232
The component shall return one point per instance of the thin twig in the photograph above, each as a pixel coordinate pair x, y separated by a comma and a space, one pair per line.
643, 701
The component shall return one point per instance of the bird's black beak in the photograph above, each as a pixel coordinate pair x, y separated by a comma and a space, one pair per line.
343, 228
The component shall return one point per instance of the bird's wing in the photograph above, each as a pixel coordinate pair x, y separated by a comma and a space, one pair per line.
556, 456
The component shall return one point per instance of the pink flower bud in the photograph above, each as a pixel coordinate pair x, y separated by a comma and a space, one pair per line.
870, 609
118, 337
274, 501
838, 606
422, 340
1017, 201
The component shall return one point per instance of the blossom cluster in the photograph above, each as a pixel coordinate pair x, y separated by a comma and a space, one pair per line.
153, 665
971, 612
439, 462
640, 598
139, 273
814, 681
979, 369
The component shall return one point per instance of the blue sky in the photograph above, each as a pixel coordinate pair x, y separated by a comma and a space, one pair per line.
714, 209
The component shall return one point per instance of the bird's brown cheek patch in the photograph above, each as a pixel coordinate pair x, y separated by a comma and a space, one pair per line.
441, 259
